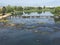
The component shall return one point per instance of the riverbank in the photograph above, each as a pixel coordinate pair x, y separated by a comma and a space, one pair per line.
4, 16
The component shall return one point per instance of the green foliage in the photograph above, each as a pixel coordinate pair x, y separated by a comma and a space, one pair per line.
29, 8
18, 13
13, 8
9, 9
39, 8
19, 8
57, 9
0, 10
3, 10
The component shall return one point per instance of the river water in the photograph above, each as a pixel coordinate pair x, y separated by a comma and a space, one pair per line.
19, 30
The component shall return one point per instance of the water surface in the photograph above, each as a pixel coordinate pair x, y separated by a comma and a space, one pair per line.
44, 30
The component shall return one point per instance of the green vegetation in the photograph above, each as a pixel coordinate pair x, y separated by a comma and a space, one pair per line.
19, 10
3, 11
0, 10
55, 11
9, 9
32, 9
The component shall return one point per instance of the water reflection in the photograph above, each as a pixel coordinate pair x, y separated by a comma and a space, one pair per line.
18, 13
33, 18
40, 30
27, 13
39, 12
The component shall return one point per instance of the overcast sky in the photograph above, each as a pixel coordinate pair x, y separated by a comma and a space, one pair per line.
30, 2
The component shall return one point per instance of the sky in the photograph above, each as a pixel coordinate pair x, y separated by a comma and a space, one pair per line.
30, 2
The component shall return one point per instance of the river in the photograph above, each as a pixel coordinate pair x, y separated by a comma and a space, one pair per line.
19, 30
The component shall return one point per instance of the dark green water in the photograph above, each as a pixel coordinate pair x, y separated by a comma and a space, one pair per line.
30, 31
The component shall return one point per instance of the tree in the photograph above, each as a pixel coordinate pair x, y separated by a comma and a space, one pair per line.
9, 9
29, 8
15, 8
0, 10
19, 8
57, 9
39, 8
3, 11
44, 7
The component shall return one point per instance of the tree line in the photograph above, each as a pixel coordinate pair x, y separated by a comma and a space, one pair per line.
9, 9
18, 8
